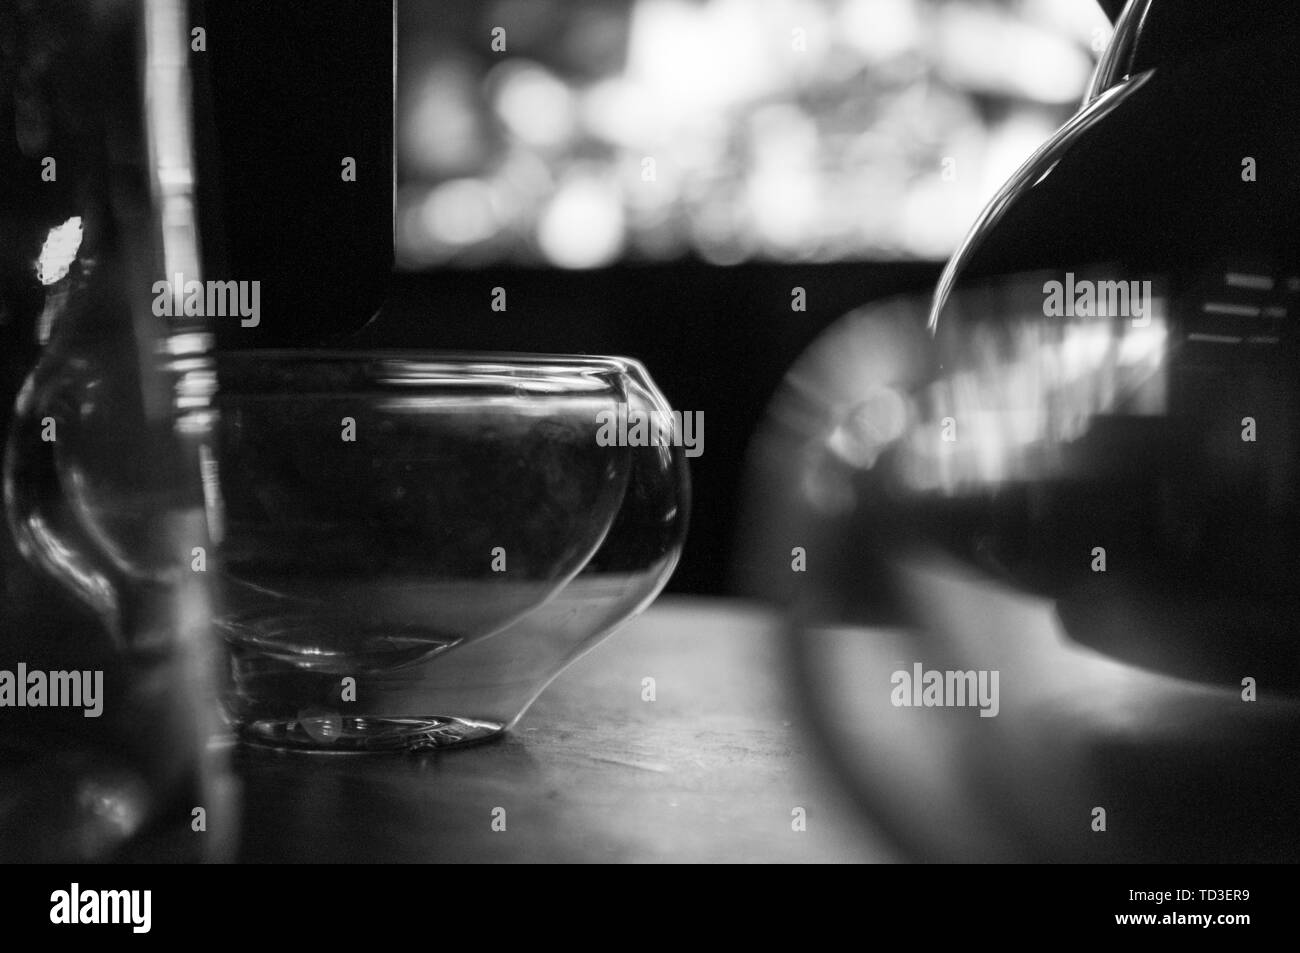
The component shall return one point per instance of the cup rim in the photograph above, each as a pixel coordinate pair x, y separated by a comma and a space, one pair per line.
529, 359
253, 370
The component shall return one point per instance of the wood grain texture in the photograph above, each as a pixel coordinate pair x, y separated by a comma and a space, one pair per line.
710, 771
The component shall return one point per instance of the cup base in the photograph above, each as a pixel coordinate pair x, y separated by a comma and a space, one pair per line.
329, 733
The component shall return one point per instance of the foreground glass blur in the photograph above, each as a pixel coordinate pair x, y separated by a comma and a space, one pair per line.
108, 702
1077, 470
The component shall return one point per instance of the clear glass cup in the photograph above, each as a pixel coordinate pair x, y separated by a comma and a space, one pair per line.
417, 543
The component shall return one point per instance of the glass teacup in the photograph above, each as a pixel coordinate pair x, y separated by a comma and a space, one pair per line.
417, 543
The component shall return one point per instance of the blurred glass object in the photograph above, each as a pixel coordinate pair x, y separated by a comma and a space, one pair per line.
419, 585
779, 130
1077, 469
109, 718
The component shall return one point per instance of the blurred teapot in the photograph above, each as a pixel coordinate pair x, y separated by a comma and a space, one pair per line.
1118, 335
1077, 467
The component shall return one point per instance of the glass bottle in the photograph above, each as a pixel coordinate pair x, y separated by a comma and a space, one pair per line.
106, 446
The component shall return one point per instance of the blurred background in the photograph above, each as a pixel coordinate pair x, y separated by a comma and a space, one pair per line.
656, 177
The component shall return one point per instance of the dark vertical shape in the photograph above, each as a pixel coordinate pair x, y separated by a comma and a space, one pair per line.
287, 90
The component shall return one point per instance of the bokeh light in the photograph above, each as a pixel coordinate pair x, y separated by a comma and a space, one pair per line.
728, 130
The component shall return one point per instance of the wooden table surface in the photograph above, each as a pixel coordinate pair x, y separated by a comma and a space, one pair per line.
711, 770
